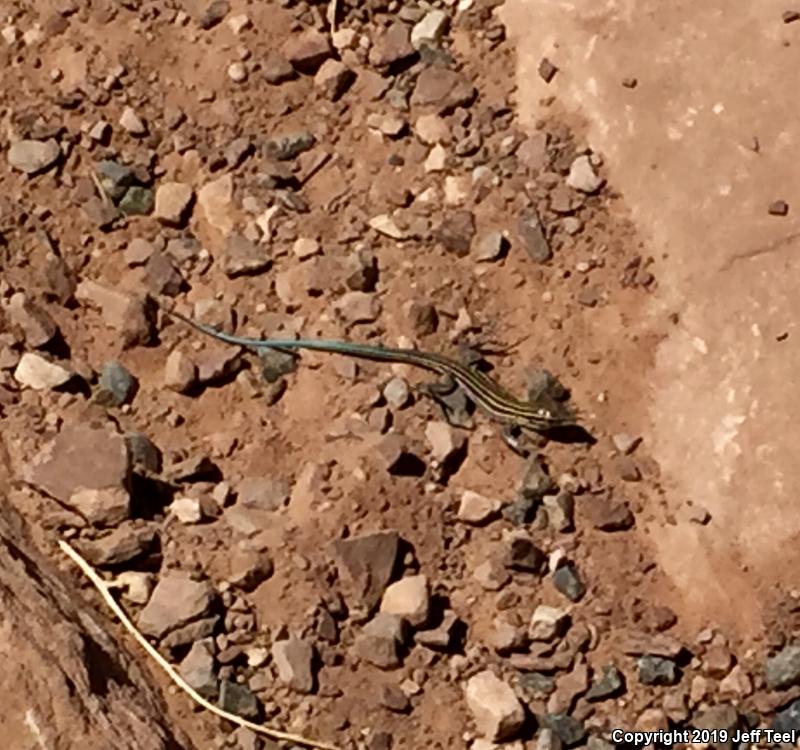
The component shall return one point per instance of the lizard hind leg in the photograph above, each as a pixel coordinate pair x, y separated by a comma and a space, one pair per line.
451, 399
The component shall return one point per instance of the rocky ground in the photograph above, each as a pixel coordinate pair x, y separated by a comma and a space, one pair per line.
310, 539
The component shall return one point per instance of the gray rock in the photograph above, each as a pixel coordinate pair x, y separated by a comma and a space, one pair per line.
536, 684
524, 555
560, 511
198, 668
144, 454
263, 493
117, 385
568, 582
137, 201
380, 640
243, 256
609, 685
536, 482
293, 659
531, 232
289, 146
213, 14
238, 699
176, 601
120, 545
783, 670
191, 633
787, 719
115, 179
722, 716
520, 511
657, 670
33, 157
569, 729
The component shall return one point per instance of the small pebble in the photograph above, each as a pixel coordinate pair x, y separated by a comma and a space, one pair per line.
778, 208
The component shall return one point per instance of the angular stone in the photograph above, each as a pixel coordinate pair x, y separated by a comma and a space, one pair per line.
293, 659
243, 257
457, 231
133, 317
476, 509
333, 79
101, 507
443, 89
32, 157
263, 493
430, 29
116, 385
121, 545
367, 563
524, 555
180, 372
173, 200
176, 601
606, 515
215, 201
40, 374
783, 669
392, 47
198, 668
81, 457
408, 598
497, 712
583, 177
380, 640
656, 670
248, 568
568, 581
533, 238
307, 50
547, 623
36, 324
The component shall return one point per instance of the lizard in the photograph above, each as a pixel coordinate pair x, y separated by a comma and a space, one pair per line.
529, 417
